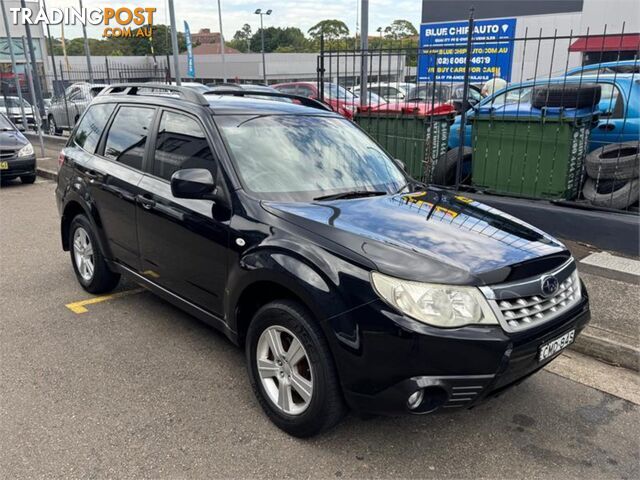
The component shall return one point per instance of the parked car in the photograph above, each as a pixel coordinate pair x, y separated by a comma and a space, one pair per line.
65, 110
10, 106
290, 230
451, 93
619, 106
337, 97
389, 91
17, 158
621, 66
199, 87
248, 87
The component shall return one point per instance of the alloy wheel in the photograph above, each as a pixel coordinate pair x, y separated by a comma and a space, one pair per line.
83, 254
285, 370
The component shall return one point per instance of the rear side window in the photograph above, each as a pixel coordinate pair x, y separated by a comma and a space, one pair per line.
91, 126
180, 143
127, 136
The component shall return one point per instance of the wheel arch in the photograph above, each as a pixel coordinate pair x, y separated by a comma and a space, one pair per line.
72, 208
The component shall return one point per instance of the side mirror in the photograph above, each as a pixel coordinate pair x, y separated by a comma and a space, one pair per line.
193, 183
400, 164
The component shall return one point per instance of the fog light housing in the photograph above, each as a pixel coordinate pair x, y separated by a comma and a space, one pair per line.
415, 399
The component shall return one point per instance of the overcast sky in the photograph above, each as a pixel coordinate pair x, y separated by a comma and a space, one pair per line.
286, 13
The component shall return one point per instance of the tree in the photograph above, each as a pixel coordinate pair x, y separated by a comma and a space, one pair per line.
242, 38
331, 29
276, 38
400, 29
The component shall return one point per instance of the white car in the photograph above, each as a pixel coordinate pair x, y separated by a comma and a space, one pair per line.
10, 106
390, 91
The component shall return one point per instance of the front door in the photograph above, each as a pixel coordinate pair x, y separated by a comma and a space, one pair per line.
183, 245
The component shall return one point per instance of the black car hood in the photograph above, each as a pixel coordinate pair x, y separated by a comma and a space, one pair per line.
428, 236
12, 140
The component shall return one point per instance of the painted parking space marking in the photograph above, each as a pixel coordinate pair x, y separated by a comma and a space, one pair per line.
81, 306
613, 262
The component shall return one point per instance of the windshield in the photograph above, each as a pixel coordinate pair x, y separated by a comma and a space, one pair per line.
5, 124
13, 102
426, 92
299, 158
334, 92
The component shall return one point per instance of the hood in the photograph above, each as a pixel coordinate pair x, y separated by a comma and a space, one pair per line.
17, 111
430, 236
12, 140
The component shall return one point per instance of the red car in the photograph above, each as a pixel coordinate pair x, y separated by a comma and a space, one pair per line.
338, 98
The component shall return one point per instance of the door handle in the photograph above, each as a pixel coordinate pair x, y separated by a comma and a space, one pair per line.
146, 202
93, 175
607, 126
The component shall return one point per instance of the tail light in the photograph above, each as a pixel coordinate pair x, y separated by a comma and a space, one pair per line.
61, 159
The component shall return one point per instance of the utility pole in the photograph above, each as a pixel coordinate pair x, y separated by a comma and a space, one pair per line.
224, 65
13, 65
87, 51
364, 51
36, 80
174, 44
53, 58
30, 71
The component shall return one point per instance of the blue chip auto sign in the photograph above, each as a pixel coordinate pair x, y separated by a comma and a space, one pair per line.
444, 50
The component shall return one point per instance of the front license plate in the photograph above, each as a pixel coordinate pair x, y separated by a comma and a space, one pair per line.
4, 165
551, 348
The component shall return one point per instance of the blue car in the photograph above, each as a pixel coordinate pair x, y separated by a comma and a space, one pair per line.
619, 107
621, 66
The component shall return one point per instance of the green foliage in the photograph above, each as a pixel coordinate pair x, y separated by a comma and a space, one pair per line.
400, 29
331, 29
276, 37
242, 38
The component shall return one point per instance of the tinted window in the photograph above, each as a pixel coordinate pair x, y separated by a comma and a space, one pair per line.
128, 136
180, 144
88, 133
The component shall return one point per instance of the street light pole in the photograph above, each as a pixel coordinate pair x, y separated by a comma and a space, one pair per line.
264, 64
224, 66
16, 78
87, 51
364, 50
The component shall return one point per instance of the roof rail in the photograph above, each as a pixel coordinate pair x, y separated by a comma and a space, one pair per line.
132, 89
306, 101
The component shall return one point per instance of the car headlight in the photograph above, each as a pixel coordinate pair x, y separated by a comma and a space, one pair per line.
26, 151
444, 306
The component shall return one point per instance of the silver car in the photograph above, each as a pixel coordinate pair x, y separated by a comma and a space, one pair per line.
10, 106
65, 110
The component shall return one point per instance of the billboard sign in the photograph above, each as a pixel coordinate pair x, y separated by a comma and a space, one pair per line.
443, 50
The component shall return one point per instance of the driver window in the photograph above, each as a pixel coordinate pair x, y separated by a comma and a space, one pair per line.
181, 143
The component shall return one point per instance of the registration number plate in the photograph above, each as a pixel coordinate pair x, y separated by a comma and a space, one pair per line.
551, 348
4, 165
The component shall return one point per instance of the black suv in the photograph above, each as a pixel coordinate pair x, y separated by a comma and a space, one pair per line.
290, 230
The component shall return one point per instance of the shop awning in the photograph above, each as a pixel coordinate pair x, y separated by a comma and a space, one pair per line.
607, 43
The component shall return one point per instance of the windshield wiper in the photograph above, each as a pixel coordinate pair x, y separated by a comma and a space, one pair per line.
352, 194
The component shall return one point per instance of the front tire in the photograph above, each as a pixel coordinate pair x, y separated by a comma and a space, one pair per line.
291, 370
88, 261
28, 179
53, 128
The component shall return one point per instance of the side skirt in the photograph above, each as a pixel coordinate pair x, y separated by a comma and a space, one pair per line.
191, 308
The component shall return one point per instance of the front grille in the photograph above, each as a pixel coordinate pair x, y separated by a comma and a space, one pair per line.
520, 312
5, 154
523, 305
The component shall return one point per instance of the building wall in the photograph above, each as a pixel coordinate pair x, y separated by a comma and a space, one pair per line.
17, 32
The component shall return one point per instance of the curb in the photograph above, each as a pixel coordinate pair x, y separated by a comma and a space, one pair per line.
607, 350
45, 173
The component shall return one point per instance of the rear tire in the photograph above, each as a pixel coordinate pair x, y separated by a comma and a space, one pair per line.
53, 127
444, 172
88, 261
323, 406
567, 96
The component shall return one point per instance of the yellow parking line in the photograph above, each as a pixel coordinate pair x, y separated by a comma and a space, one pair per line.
79, 307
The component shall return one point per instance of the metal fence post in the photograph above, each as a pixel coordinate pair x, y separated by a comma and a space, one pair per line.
321, 70
465, 93
106, 63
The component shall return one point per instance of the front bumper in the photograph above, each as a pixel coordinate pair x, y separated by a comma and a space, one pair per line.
18, 167
457, 369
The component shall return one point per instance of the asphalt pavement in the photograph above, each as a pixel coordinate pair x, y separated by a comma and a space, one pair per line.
133, 387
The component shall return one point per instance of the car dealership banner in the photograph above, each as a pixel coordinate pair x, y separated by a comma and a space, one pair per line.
444, 50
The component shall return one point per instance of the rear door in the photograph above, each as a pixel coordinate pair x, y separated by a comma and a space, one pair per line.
183, 242
113, 176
